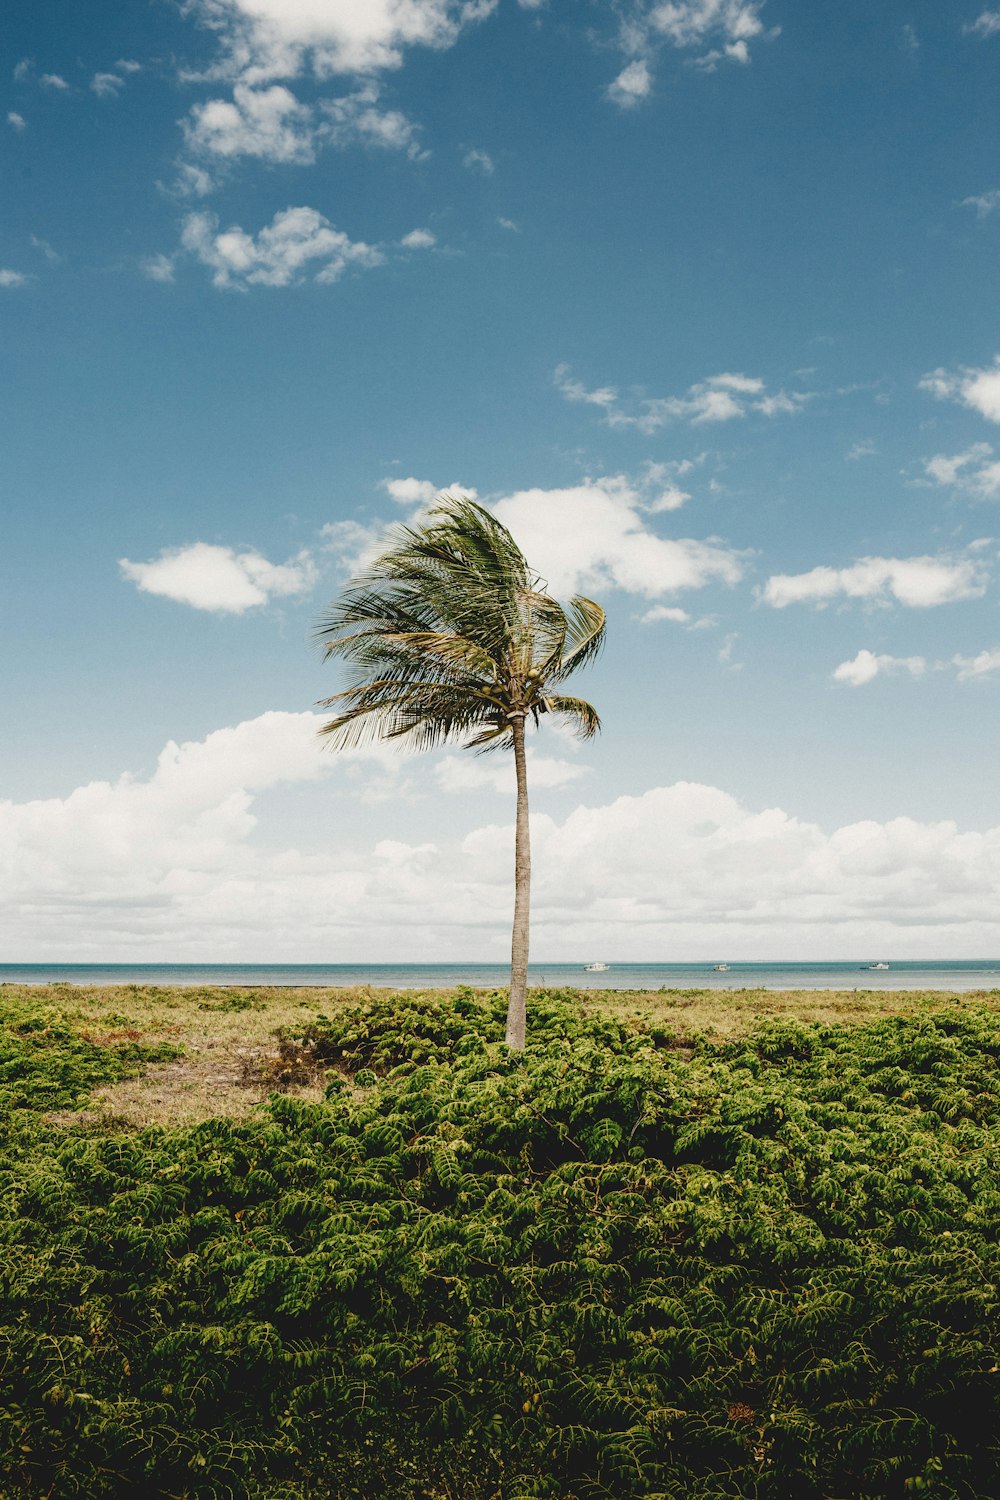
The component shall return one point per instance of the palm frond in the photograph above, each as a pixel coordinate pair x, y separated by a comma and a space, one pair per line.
587, 721
586, 625
448, 633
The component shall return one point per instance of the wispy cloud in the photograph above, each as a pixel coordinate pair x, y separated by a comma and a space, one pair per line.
633, 84
362, 119
191, 181
15, 121
986, 24
219, 579
419, 239
868, 665
975, 471
983, 665
44, 248
983, 203
12, 278
712, 32
54, 81
158, 267
476, 160
719, 398
107, 85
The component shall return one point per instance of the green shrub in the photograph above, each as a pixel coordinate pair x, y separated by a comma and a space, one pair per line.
45, 1063
598, 1269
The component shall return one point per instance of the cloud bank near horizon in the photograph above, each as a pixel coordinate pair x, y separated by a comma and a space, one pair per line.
179, 865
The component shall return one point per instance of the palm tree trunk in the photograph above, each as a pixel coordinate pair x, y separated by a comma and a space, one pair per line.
517, 1007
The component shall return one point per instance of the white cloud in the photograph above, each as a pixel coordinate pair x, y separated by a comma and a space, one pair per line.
605, 397
919, 582
720, 398
281, 253
592, 536
268, 123
658, 482
172, 867
12, 278
717, 31
266, 39
689, 23
633, 84
410, 491
158, 267
866, 666
983, 203
510, 225
419, 239
52, 256
977, 666
726, 652
16, 121
665, 612
218, 578
986, 24
864, 449
464, 774
360, 119
271, 124
975, 471
479, 161
191, 182
53, 81
352, 544
107, 85
977, 389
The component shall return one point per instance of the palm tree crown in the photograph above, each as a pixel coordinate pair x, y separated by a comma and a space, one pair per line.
449, 634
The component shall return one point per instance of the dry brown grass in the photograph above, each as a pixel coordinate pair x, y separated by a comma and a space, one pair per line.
733, 1013
230, 1054
231, 1057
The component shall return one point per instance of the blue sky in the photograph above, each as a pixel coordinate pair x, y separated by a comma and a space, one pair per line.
699, 296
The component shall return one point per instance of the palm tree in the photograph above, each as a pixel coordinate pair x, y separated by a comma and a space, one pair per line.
449, 634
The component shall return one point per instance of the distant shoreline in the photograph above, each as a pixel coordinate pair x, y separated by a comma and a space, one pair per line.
941, 976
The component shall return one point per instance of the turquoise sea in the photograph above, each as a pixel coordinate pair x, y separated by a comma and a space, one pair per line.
960, 974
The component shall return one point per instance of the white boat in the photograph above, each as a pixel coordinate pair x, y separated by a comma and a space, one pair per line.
720, 969
596, 968
877, 966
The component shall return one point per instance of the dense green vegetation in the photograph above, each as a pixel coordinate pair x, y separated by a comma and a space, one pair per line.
611, 1266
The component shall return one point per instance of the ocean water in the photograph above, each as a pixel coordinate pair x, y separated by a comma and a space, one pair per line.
961, 974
